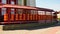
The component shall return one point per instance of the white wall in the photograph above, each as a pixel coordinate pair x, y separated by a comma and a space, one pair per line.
20, 2
31, 2
58, 15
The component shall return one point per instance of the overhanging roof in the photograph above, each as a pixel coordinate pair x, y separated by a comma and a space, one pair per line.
44, 9
25, 7
16, 6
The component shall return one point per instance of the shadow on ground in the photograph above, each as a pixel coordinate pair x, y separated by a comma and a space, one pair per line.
33, 28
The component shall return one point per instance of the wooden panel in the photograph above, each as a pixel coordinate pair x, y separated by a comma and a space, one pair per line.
31, 17
24, 16
27, 16
39, 17
5, 17
8, 11
16, 17
20, 17
42, 17
34, 17
12, 17
48, 17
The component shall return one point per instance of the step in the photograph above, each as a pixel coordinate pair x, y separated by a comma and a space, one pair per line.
1, 27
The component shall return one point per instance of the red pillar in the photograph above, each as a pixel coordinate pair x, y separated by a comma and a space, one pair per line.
51, 17
45, 16
8, 9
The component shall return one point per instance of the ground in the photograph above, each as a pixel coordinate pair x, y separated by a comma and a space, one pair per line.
55, 29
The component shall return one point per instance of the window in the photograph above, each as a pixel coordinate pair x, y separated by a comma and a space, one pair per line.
48, 13
25, 2
34, 12
41, 12
4, 1
19, 11
53, 14
20, 2
12, 2
12, 11
3, 11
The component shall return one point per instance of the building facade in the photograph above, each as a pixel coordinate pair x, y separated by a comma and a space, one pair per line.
19, 2
27, 2
16, 2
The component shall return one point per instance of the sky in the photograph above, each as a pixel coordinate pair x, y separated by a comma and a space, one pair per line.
51, 4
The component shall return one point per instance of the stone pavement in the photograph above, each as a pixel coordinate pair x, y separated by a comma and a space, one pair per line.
50, 30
